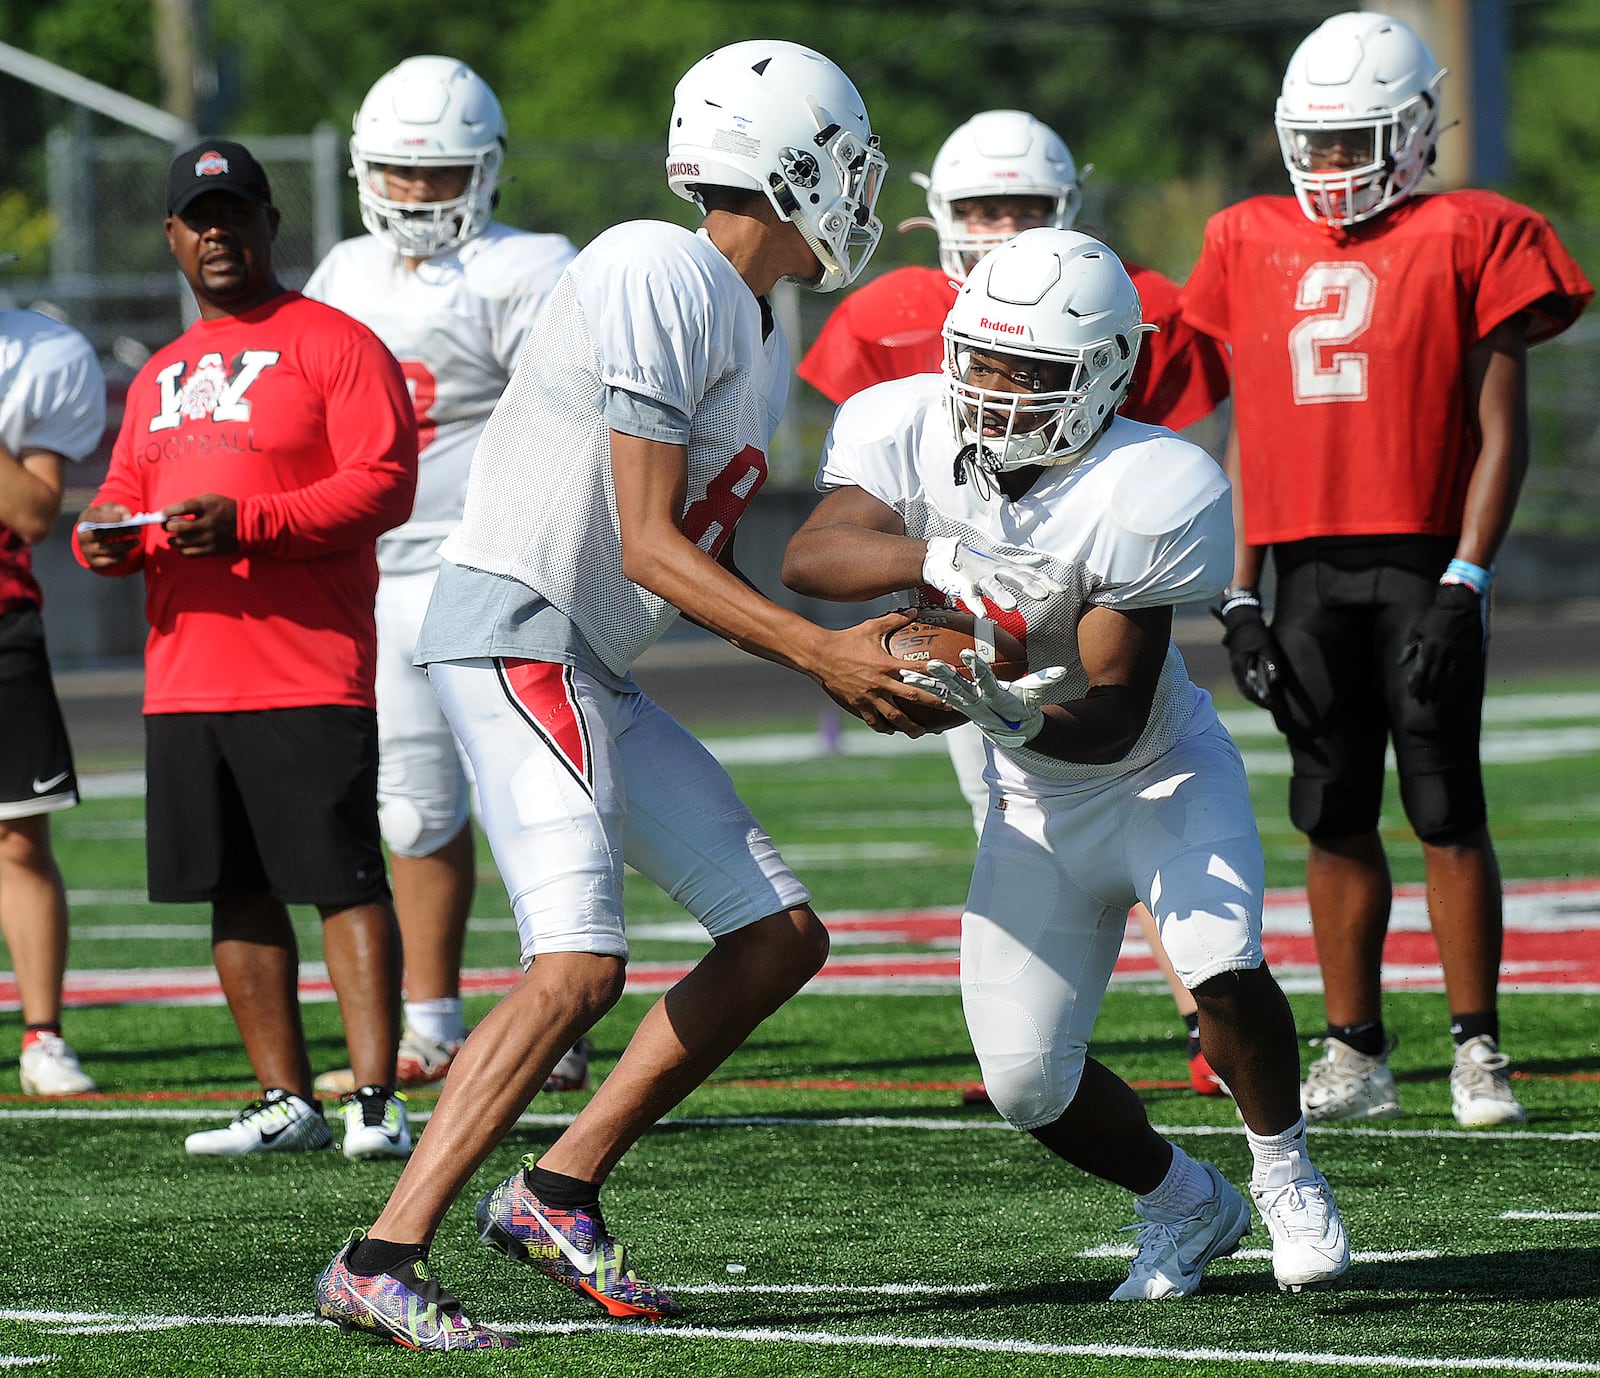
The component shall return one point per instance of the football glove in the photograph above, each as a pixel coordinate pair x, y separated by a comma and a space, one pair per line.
1445, 643
1008, 712
1254, 655
969, 576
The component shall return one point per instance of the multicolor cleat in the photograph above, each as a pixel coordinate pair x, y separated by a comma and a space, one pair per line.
408, 1306
571, 1246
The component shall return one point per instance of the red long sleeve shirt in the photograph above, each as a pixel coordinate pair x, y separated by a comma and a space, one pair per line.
301, 415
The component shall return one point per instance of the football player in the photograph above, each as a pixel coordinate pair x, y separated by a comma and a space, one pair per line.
452, 293
601, 503
1000, 173
1113, 779
1380, 439
52, 413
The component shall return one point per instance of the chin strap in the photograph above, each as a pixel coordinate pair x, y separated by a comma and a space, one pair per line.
967, 464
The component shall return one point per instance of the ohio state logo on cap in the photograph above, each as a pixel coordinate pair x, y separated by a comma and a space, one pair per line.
211, 164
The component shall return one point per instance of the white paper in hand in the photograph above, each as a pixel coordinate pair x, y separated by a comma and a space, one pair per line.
123, 523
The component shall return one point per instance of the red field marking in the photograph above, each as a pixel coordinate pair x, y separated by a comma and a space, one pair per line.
1552, 943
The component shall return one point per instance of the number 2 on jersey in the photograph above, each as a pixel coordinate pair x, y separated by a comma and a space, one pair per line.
1339, 297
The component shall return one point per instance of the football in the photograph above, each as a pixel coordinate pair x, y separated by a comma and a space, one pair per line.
942, 634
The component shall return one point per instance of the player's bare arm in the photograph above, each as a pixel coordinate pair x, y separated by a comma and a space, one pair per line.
1247, 559
1122, 653
30, 492
853, 547
650, 478
1497, 390
203, 525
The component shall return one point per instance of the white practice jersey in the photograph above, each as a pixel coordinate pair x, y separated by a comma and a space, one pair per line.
455, 325
654, 313
1141, 519
52, 392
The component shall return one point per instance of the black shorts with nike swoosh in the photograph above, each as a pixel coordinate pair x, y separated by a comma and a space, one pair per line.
280, 801
36, 770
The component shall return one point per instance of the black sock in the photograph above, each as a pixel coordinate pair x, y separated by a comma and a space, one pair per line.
1367, 1039
369, 1257
1191, 1022
1468, 1026
564, 1193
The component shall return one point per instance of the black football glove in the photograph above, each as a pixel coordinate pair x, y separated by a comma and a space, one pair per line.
1446, 642
1253, 652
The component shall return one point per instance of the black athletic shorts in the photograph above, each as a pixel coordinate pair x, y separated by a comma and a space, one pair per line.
36, 771
1344, 612
281, 801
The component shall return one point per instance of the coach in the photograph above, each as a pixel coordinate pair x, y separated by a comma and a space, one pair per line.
267, 447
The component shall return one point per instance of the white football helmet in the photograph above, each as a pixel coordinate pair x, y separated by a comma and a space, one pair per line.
1047, 296
779, 118
996, 153
1368, 83
428, 112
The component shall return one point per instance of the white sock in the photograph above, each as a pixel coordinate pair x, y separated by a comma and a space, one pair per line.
1268, 1149
439, 1020
1185, 1188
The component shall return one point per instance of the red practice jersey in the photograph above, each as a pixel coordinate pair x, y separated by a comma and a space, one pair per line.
1349, 352
301, 415
891, 329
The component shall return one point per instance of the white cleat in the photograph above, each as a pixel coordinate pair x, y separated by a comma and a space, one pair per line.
1173, 1250
49, 1067
1480, 1086
1346, 1085
1309, 1245
280, 1122
375, 1124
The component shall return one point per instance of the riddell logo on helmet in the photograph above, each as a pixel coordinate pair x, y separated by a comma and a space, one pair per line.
1325, 105
683, 169
999, 327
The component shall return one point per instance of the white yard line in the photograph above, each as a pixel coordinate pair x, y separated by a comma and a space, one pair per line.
110, 1323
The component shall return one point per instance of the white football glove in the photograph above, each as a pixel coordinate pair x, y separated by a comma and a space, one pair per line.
1008, 712
959, 571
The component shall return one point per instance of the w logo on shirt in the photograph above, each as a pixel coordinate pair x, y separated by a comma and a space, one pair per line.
210, 391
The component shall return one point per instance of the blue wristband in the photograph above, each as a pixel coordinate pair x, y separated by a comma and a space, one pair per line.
1475, 577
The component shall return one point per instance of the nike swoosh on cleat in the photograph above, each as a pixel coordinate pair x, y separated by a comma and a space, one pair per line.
584, 1262
40, 786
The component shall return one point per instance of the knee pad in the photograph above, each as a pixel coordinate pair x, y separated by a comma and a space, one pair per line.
1327, 809
1444, 808
414, 829
1029, 1083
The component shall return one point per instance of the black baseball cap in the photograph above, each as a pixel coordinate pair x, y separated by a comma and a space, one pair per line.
216, 165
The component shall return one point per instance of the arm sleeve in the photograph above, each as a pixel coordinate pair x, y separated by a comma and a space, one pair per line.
653, 321
1203, 303
1169, 542
65, 407
372, 435
1527, 268
122, 484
